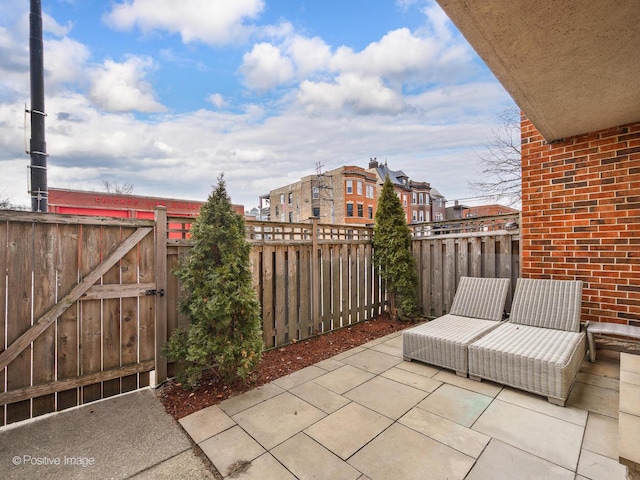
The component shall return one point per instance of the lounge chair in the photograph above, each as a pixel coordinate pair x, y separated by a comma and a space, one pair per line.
540, 348
477, 308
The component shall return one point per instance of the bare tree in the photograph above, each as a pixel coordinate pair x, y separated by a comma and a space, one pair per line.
119, 188
7, 204
501, 175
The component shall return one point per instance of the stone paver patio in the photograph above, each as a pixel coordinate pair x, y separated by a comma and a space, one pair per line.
367, 414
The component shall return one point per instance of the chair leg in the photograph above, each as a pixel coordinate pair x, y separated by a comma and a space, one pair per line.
406, 359
461, 373
475, 378
592, 347
556, 401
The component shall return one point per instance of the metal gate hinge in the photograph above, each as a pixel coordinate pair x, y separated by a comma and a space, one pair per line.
159, 293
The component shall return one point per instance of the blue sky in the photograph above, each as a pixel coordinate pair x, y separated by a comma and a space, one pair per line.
166, 95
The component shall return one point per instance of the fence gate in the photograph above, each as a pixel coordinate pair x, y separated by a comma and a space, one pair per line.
78, 302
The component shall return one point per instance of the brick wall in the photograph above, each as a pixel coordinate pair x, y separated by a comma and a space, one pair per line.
581, 217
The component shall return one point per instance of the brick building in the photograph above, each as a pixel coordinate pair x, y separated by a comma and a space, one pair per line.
345, 195
349, 195
574, 74
487, 211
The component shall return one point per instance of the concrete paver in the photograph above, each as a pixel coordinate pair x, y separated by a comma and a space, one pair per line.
343, 379
277, 419
505, 462
387, 397
594, 399
445, 431
601, 435
372, 361
206, 423
598, 467
456, 404
320, 397
547, 437
349, 429
400, 452
307, 459
411, 379
231, 449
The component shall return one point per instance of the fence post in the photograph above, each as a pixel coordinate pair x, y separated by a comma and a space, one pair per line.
315, 275
160, 218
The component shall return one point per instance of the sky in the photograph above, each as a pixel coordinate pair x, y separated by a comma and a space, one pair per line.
167, 95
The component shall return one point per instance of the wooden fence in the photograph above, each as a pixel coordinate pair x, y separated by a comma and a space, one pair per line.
310, 278
86, 303
76, 323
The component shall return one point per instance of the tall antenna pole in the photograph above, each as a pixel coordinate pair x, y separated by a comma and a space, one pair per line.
38, 147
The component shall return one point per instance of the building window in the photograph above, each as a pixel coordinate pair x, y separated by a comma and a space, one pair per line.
370, 211
282, 198
404, 200
359, 187
290, 217
421, 199
369, 190
349, 186
315, 193
316, 211
421, 215
414, 199
415, 216
277, 211
438, 216
290, 198
349, 209
360, 210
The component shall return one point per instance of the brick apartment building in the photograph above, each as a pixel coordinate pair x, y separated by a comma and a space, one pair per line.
345, 195
349, 195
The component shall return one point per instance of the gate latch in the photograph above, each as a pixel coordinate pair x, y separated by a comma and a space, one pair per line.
159, 293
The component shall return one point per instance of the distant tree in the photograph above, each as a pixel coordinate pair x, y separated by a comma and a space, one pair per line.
392, 253
225, 334
501, 162
7, 204
119, 188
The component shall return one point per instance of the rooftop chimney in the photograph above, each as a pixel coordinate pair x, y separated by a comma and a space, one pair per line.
373, 162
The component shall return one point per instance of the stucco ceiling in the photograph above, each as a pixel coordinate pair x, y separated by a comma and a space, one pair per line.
572, 66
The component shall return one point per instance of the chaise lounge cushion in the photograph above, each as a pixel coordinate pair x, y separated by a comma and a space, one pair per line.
541, 348
444, 341
540, 360
477, 308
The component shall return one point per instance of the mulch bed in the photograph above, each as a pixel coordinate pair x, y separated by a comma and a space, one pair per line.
278, 362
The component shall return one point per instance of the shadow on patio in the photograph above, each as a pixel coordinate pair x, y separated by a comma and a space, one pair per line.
366, 413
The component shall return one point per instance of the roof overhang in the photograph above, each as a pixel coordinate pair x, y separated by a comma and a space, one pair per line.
572, 66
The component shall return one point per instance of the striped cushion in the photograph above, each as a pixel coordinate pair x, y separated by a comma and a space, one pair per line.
444, 341
539, 360
547, 303
480, 298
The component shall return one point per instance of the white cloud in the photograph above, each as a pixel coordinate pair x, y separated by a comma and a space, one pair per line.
217, 100
65, 62
308, 54
215, 22
121, 87
362, 94
264, 67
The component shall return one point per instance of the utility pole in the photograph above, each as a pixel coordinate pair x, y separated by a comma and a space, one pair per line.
38, 147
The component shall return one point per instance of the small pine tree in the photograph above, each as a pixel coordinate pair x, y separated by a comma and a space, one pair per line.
225, 333
392, 253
